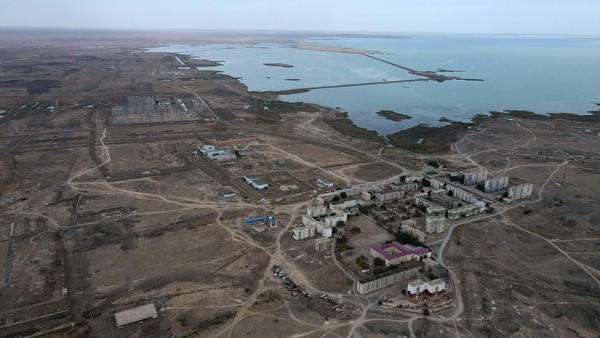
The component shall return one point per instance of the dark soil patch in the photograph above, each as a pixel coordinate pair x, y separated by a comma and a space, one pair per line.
434, 139
40, 86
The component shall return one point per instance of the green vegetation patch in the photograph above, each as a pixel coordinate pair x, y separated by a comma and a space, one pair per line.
593, 116
345, 126
274, 109
427, 139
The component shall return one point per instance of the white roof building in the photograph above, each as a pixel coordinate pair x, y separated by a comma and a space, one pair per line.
136, 314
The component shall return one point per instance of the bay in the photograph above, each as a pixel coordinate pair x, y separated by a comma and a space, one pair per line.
535, 73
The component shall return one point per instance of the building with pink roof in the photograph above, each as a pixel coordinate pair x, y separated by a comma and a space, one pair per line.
395, 253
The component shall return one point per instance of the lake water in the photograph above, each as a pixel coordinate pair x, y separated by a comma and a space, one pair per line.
540, 74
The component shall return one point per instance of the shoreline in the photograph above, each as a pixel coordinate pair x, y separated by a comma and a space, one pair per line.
353, 130
335, 49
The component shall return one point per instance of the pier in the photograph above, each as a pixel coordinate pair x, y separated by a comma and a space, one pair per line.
426, 75
432, 75
305, 89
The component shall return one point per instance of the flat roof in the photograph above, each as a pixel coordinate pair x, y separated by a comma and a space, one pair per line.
257, 180
436, 282
402, 267
136, 314
416, 283
394, 250
302, 228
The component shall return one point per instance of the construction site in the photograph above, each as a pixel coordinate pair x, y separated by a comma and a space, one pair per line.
142, 195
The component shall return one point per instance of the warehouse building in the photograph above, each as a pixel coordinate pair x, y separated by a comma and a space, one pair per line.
325, 182
256, 182
135, 315
270, 220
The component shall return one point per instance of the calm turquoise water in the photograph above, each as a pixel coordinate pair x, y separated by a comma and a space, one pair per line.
541, 74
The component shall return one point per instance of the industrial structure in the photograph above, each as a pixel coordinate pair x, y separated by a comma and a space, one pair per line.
213, 153
135, 315
270, 220
418, 290
395, 253
495, 184
226, 192
256, 182
325, 182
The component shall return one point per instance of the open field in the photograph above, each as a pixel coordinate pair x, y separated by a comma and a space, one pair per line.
106, 204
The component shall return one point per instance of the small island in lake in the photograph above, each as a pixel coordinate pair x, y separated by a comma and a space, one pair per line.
284, 65
392, 115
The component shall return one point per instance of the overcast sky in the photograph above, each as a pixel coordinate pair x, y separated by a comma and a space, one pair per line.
579, 17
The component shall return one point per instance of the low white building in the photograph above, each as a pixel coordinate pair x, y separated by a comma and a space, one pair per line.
206, 148
324, 182
135, 315
256, 182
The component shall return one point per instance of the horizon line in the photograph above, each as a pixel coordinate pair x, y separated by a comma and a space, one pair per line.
289, 31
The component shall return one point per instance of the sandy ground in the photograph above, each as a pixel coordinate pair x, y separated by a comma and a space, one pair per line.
530, 269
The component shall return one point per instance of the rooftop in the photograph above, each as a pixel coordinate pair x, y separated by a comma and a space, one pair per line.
136, 314
324, 181
436, 282
394, 250
256, 180
415, 283
398, 269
